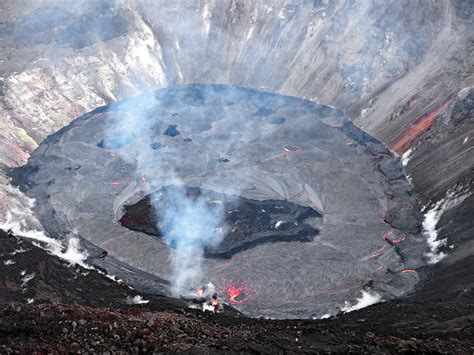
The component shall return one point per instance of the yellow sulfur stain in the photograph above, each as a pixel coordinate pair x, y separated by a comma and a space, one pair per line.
25, 137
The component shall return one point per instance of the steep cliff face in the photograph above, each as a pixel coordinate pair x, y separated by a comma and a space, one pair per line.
402, 70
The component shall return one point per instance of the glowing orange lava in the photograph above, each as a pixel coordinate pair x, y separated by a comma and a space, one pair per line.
233, 292
420, 126
401, 239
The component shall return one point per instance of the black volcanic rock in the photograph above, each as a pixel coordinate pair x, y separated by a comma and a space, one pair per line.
249, 222
55, 280
74, 311
463, 109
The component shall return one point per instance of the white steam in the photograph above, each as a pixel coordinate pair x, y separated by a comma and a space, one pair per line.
406, 156
20, 222
136, 300
430, 221
367, 299
208, 307
72, 253
453, 198
189, 226
27, 278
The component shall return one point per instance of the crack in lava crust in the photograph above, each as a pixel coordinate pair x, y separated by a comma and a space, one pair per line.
256, 146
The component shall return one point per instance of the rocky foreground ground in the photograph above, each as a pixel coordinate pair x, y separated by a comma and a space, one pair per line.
70, 311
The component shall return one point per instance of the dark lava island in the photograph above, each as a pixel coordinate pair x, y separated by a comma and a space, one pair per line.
251, 222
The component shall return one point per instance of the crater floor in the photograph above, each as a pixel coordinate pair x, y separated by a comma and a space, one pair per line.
245, 143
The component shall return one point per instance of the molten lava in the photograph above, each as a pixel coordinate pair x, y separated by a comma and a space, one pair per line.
419, 127
235, 294
215, 303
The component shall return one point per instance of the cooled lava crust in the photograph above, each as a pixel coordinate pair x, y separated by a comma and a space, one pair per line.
259, 147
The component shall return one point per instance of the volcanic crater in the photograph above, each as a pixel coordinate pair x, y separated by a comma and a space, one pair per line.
313, 207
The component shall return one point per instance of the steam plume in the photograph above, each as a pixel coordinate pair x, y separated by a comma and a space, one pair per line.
189, 224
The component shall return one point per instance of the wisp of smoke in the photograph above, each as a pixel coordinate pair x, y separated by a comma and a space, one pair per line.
72, 253
189, 225
366, 300
453, 198
136, 300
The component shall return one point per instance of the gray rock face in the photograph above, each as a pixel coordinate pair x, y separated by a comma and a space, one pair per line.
385, 64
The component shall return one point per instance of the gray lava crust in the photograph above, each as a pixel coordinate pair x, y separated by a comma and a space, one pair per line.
258, 146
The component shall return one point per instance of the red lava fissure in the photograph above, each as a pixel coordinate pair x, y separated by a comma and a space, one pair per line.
420, 126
